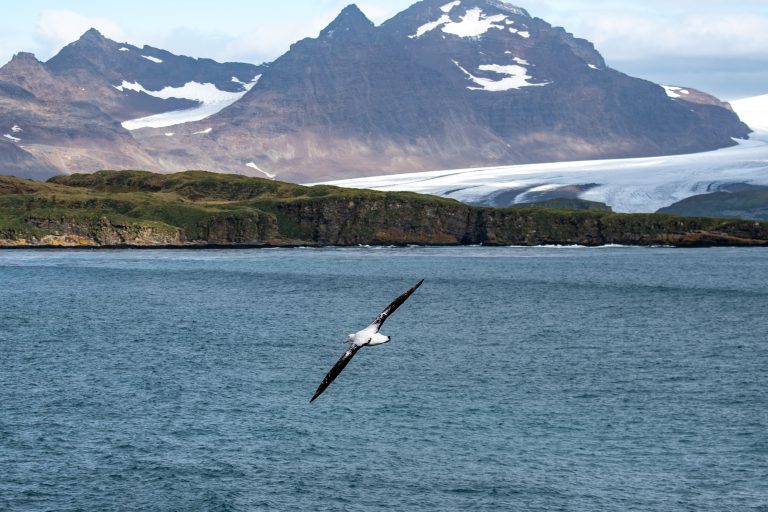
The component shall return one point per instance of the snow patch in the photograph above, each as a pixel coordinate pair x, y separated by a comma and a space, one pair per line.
449, 7
675, 92
255, 167
522, 62
522, 33
212, 100
247, 85
593, 66
153, 59
429, 27
16, 129
169, 134
204, 132
124, 49
474, 23
516, 78
11, 137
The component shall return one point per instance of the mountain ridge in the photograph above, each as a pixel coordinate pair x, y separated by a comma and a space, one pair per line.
461, 84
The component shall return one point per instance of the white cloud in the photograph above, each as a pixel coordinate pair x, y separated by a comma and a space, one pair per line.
57, 28
266, 41
658, 28
716, 35
263, 43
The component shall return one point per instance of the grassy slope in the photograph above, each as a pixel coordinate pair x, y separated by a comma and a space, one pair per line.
228, 209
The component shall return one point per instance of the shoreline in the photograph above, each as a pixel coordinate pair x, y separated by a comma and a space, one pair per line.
218, 247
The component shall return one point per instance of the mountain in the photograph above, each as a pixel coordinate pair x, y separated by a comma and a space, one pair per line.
127, 80
463, 84
70, 114
48, 127
441, 85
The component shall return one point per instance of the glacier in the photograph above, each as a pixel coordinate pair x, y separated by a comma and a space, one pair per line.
631, 185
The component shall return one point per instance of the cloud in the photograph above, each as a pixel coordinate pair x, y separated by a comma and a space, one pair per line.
57, 28
266, 41
269, 41
655, 28
699, 35
726, 77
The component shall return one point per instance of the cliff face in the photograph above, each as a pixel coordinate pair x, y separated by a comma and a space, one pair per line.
392, 220
138, 209
90, 233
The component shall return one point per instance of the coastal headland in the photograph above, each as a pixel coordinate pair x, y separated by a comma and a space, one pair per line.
196, 209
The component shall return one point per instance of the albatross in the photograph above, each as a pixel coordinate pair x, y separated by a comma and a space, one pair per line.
368, 337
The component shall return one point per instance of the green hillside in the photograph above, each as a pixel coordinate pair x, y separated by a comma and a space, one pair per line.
195, 208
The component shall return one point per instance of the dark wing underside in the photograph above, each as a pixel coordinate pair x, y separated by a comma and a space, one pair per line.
393, 307
336, 370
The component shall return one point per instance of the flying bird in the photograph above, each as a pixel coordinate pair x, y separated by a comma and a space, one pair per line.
368, 337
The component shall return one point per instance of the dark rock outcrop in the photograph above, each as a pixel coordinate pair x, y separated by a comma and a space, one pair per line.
746, 202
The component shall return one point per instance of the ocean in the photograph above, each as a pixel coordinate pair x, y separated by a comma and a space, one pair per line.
520, 379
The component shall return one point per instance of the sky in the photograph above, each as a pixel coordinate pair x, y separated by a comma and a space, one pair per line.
718, 46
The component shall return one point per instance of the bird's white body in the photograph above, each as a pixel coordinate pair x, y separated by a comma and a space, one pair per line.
368, 337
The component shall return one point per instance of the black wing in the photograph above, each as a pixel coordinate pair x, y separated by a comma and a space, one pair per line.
393, 307
336, 370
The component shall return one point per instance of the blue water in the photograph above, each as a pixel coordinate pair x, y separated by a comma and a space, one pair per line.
522, 379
